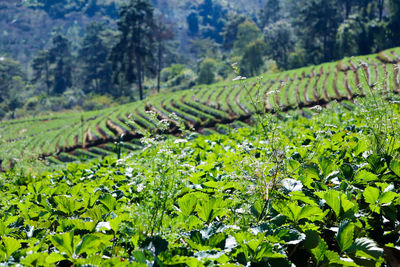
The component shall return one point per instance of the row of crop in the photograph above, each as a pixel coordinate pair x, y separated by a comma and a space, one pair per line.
208, 105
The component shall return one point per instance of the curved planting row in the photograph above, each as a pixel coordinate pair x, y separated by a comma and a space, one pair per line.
78, 135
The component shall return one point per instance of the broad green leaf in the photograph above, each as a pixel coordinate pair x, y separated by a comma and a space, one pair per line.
320, 251
109, 202
363, 177
327, 166
293, 165
290, 236
78, 224
387, 197
35, 259
377, 163
312, 239
332, 199
335, 260
345, 204
88, 243
187, 204
139, 256
367, 246
299, 195
209, 208
309, 212
345, 235
395, 166
338, 202
371, 195
184, 261
295, 213
67, 205
64, 243
114, 223
95, 213
11, 245
347, 171
312, 171
54, 257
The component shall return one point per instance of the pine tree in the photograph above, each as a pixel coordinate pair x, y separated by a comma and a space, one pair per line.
93, 55
394, 22
162, 34
60, 56
41, 69
135, 46
317, 23
54, 67
270, 13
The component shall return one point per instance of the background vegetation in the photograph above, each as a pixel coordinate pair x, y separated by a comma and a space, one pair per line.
57, 55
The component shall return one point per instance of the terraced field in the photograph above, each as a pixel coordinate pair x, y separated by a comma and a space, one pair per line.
91, 134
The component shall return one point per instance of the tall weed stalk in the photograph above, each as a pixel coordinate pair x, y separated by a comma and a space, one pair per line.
380, 110
266, 166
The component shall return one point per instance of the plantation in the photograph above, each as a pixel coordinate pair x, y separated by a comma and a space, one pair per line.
321, 191
59, 137
257, 174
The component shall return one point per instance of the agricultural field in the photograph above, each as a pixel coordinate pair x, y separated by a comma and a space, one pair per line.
71, 137
287, 191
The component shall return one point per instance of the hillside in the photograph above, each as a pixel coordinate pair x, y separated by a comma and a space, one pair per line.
152, 133
295, 191
72, 136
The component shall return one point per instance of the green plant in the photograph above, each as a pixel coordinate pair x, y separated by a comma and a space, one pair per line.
379, 108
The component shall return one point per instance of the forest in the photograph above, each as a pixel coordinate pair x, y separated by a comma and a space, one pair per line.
70, 54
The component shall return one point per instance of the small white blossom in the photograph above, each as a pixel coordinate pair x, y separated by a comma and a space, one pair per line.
239, 78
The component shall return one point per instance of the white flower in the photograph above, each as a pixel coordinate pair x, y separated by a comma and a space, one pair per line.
239, 78
140, 187
102, 225
317, 108
178, 141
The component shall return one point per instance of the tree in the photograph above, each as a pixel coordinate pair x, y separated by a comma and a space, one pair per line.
247, 33
93, 57
135, 46
270, 13
162, 34
10, 75
230, 30
193, 23
317, 22
207, 71
394, 22
54, 66
253, 58
60, 56
41, 69
348, 37
12, 84
279, 38
348, 4
204, 47
381, 7
208, 19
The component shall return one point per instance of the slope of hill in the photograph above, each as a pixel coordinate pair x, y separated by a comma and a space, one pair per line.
309, 192
203, 106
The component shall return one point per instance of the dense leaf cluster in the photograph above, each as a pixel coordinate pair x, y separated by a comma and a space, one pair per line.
201, 202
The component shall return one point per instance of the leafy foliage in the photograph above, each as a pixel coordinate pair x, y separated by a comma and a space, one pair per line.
199, 201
